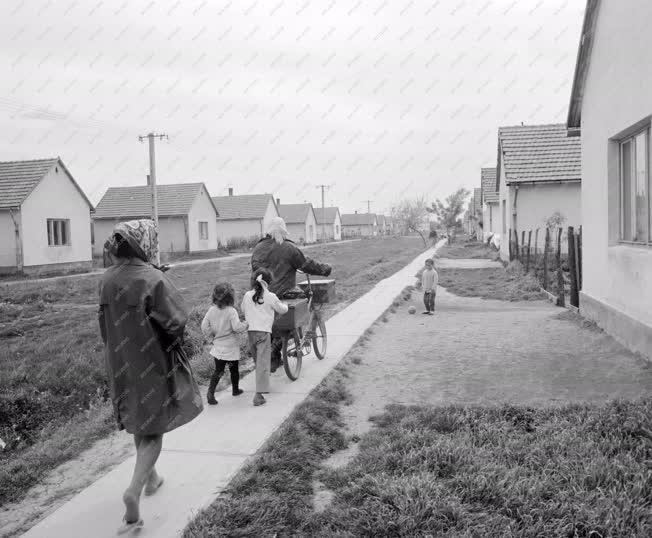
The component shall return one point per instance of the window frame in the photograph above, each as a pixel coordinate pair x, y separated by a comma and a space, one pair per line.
203, 224
54, 228
631, 139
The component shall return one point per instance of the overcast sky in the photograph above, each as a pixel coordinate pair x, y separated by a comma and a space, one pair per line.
380, 99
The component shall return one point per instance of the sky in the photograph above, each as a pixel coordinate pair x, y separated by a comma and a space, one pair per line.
381, 100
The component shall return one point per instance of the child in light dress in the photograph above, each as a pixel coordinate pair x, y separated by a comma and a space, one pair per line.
259, 306
221, 324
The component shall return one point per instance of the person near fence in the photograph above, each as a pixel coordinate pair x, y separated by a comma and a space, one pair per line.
429, 281
221, 325
259, 306
142, 320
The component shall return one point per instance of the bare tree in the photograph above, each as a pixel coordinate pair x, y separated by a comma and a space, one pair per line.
410, 215
449, 211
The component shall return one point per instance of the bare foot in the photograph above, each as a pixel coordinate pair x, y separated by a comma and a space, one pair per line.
132, 510
155, 481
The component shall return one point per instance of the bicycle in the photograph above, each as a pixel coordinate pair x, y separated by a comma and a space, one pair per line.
303, 330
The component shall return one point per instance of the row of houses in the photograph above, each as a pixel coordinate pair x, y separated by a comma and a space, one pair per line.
593, 171
47, 223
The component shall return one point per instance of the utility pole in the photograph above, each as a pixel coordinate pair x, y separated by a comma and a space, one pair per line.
152, 184
323, 220
368, 205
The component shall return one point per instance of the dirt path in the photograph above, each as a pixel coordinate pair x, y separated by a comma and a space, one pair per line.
476, 351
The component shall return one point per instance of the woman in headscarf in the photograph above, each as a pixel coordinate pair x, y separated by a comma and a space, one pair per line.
142, 321
283, 258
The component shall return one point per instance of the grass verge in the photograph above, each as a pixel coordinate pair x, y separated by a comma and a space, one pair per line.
469, 250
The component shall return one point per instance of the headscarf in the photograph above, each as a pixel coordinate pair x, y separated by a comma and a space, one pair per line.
140, 235
277, 230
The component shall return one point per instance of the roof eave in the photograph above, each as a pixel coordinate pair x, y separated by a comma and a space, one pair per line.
517, 182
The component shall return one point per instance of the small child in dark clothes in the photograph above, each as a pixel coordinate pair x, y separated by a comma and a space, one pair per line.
429, 281
221, 324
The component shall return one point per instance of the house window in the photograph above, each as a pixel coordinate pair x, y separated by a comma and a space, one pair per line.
203, 230
635, 188
58, 232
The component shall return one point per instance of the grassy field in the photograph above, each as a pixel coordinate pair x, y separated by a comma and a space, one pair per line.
578, 470
468, 249
54, 399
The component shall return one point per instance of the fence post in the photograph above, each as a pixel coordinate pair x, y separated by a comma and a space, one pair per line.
579, 258
546, 248
572, 267
560, 273
509, 244
536, 249
518, 252
529, 243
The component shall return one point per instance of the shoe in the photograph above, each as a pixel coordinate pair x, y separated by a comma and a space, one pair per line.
431, 313
237, 392
426, 312
210, 398
259, 399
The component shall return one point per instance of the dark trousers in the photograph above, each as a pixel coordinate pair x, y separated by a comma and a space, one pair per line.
220, 366
429, 300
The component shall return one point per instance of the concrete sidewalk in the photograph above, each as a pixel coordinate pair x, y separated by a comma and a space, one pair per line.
200, 458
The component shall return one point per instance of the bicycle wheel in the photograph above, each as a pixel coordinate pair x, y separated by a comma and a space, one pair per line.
319, 338
292, 355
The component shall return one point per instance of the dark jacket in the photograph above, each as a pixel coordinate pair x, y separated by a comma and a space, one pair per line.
283, 260
142, 321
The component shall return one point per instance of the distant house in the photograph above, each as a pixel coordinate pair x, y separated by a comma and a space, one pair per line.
359, 225
611, 106
382, 224
45, 218
538, 176
300, 221
329, 218
476, 215
187, 216
244, 216
489, 201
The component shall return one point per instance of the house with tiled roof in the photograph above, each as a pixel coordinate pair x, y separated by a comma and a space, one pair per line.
538, 176
359, 225
330, 221
187, 216
243, 216
490, 205
300, 220
45, 222
609, 111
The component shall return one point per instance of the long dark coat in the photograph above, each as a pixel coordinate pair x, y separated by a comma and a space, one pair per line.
142, 320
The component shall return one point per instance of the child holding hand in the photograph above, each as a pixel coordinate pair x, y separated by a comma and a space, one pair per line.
221, 324
259, 306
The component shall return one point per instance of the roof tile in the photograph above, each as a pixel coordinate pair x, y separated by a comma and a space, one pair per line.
242, 206
18, 179
294, 213
488, 182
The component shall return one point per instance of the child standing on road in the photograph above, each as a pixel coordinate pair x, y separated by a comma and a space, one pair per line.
429, 281
259, 306
221, 324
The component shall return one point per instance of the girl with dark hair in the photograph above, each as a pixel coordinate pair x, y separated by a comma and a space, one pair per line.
222, 324
259, 306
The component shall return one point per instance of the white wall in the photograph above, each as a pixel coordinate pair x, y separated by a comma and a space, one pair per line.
535, 203
8, 239
311, 227
270, 213
617, 95
202, 210
337, 227
297, 232
238, 229
172, 234
490, 218
55, 197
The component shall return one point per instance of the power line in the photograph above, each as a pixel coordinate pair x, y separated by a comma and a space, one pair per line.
368, 202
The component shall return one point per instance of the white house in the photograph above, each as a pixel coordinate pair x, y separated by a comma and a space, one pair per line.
187, 216
611, 105
359, 225
244, 216
538, 175
45, 222
300, 221
329, 219
489, 201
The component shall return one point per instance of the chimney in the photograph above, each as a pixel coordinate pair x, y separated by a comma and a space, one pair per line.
148, 180
278, 201
230, 191
356, 212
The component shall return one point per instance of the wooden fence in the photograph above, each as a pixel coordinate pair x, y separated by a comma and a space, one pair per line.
548, 252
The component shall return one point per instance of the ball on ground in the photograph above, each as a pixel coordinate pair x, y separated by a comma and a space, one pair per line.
412, 310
